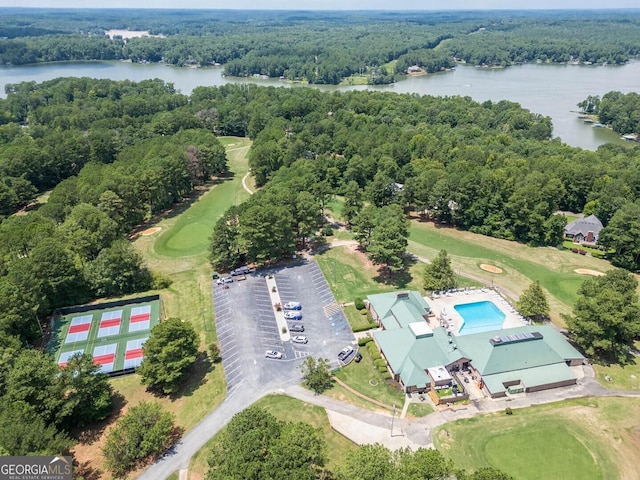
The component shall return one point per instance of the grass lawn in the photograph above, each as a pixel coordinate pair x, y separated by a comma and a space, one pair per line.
365, 378
620, 377
586, 438
292, 410
521, 265
350, 274
355, 318
421, 409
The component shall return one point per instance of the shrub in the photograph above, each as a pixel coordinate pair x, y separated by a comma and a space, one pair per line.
364, 341
359, 303
160, 281
327, 231
508, 411
363, 328
382, 368
214, 352
386, 375
277, 306
380, 363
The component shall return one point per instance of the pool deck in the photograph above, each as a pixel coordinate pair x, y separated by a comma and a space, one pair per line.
445, 315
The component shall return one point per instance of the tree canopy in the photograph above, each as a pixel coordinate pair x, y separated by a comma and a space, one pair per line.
316, 374
606, 316
256, 445
170, 350
439, 275
145, 430
533, 303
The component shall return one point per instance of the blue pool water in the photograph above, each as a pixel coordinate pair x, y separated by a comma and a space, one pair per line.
479, 317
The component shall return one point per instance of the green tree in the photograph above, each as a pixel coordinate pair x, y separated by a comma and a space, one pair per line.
533, 303
606, 316
24, 432
87, 390
366, 462
316, 374
489, 473
388, 241
118, 270
622, 235
439, 275
168, 353
257, 446
145, 430
34, 380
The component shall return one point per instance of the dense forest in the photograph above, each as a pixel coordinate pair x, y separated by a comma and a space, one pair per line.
486, 167
320, 47
110, 155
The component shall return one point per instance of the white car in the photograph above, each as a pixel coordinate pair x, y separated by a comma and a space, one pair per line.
345, 352
293, 315
273, 354
299, 339
292, 306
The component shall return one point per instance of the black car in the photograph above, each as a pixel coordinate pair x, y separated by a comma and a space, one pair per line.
358, 357
296, 328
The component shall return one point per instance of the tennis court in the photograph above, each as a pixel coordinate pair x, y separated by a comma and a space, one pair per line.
113, 333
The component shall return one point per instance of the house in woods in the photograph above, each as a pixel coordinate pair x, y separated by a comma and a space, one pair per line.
584, 230
503, 361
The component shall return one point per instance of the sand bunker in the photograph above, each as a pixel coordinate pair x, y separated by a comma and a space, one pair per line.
490, 268
150, 231
586, 271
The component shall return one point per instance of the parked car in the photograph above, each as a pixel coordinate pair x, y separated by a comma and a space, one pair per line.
299, 339
273, 354
296, 328
292, 306
241, 271
227, 280
293, 315
345, 352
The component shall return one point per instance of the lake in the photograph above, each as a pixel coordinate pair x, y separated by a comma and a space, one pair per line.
550, 90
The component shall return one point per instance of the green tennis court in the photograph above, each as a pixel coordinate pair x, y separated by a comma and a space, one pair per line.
113, 333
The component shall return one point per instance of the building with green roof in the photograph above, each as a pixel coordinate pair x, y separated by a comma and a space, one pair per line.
528, 358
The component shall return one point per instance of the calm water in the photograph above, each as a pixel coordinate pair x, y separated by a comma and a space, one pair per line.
551, 90
479, 317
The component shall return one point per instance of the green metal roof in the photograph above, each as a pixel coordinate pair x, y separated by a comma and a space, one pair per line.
398, 309
533, 361
530, 377
489, 359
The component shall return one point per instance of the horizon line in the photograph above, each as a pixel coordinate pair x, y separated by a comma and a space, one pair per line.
408, 10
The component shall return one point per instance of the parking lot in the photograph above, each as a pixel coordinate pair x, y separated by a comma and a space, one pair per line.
246, 326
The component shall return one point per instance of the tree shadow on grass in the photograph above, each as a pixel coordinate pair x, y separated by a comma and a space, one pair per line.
195, 377
397, 279
85, 471
93, 432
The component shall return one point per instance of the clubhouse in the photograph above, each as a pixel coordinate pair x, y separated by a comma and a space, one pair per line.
422, 357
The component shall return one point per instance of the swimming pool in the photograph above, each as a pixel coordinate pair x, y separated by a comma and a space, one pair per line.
479, 317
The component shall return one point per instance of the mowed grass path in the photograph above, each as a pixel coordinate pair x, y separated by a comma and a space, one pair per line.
190, 233
521, 264
578, 439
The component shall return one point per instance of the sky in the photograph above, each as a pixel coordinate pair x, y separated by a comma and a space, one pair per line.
331, 4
